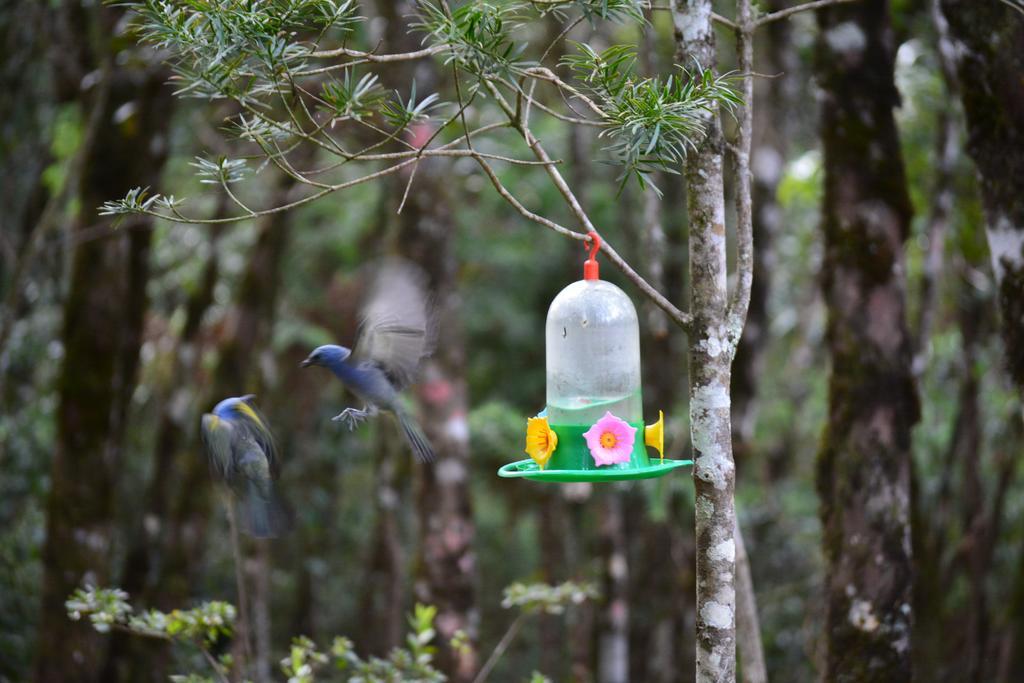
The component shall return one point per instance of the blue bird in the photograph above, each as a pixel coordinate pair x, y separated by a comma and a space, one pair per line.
394, 336
244, 460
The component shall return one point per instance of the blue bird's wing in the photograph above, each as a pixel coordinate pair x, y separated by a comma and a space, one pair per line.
395, 330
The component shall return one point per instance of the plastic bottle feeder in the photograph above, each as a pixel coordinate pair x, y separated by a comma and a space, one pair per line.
592, 428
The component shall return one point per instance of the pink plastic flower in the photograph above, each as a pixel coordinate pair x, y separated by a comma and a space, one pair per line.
610, 440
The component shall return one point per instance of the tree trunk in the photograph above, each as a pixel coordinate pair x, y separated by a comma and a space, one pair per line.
864, 461
773, 128
447, 566
748, 624
129, 653
613, 639
103, 320
27, 116
710, 359
990, 51
382, 605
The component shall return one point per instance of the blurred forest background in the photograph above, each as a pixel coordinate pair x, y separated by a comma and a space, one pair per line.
115, 340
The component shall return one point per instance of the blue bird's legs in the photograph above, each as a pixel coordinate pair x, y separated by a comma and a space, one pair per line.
353, 416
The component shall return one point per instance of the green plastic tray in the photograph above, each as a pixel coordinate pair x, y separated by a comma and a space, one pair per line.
528, 469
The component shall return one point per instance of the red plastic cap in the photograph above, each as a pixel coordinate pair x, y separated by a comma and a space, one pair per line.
591, 269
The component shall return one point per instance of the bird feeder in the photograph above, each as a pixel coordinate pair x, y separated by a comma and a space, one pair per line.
592, 428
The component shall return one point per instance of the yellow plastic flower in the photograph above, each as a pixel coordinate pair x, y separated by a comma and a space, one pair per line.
541, 441
654, 435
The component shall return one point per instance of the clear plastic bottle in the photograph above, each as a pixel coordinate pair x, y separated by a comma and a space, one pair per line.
593, 355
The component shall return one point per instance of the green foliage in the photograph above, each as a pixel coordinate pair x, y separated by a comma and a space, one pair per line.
460, 642
401, 113
221, 171
414, 663
592, 10
288, 66
652, 122
66, 141
478, 36
108, 608
104, 607
351, 99
138, 200
543, 598
238, 50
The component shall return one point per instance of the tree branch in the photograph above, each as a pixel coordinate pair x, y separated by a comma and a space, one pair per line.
681, 318
380, 59
179, 218
500, 648
518, 206
789, 11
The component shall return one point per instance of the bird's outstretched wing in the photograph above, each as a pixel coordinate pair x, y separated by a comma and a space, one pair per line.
395, 330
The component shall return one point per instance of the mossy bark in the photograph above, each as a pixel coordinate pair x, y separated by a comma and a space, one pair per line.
989, 38
864, 459
103, 320
709, 362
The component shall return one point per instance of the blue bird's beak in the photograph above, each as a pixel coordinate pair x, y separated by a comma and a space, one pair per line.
306, 363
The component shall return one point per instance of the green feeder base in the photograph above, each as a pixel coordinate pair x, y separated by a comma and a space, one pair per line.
528, 469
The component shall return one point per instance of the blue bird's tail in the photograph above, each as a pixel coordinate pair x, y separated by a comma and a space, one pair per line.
262, 512
421, 448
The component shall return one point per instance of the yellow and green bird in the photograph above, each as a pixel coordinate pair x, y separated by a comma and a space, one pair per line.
244, 460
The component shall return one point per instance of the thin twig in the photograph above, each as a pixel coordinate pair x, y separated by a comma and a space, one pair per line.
789, 11
214, 664
545, 74
419, 153
180, 218
724, 21
160, 635
380, 59
558, 115
558, 39
231, 195
518, 206
499, 650
242, 632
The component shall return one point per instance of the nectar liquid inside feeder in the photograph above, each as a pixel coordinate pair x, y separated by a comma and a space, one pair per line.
592, 428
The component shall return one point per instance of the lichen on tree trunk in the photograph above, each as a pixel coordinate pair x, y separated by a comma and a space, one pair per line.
864, 460
710, 358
